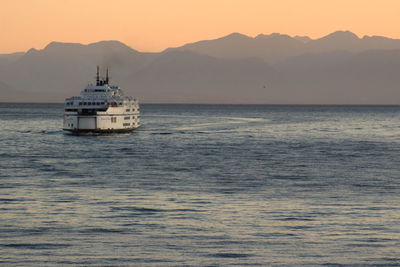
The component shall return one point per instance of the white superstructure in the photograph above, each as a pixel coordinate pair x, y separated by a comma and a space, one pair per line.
101, 108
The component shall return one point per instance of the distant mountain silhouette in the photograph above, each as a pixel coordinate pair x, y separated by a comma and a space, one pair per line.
303, 39
188, 77
64, 68
276, 47
5, 89
6, 58
272, 47
339, 68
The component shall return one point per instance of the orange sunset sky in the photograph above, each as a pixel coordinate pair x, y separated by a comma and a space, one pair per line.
153, 25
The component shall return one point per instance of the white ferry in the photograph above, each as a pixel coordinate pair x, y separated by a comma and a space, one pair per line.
101, 108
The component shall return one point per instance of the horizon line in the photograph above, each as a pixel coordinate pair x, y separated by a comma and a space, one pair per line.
228, 104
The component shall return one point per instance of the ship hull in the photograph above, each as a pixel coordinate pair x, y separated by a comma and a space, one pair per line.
98, 131
105, 123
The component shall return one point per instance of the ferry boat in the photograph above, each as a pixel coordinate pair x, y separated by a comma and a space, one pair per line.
101, 108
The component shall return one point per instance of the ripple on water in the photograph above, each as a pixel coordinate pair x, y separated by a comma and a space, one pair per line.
202, 185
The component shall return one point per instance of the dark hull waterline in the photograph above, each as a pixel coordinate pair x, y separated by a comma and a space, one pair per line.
98, 131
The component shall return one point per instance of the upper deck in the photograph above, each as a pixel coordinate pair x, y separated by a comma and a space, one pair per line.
99, 97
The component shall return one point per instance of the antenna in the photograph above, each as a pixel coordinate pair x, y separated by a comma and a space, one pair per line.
107, 76
98, 76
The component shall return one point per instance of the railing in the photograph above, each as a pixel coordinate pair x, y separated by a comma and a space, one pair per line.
74, 98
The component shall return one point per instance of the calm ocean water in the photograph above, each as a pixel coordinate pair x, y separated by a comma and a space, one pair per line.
203, 185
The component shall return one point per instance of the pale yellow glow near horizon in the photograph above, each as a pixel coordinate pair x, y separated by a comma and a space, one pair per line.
153, 25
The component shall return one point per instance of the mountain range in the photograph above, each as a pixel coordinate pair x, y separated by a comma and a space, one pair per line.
339, 68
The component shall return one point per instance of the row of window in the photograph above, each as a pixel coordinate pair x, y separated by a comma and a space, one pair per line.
114, 119
128, 124
97, 90
94, 103
90, 103
84, 103
133, 117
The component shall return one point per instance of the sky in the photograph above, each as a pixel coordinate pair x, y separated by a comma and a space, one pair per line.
154, 25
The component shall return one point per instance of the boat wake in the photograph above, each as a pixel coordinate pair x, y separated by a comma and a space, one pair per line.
226, 122
56, 132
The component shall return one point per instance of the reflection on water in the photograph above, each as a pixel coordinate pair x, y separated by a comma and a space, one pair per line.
203, 185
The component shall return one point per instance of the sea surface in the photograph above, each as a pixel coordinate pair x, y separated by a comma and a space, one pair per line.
203, 185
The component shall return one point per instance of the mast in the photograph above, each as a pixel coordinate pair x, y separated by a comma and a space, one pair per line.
107, 76
98, 76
